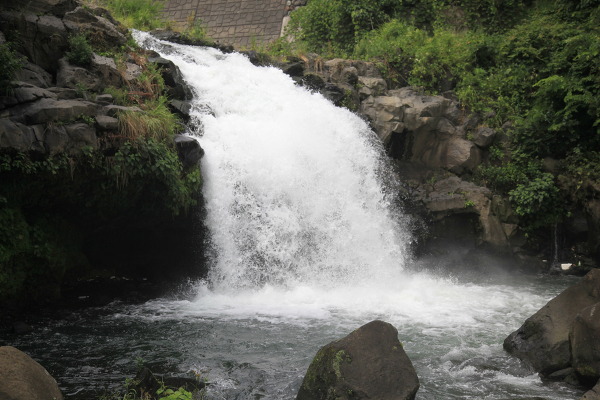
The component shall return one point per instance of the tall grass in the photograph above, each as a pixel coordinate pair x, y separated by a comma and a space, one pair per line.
154, 122
138, 14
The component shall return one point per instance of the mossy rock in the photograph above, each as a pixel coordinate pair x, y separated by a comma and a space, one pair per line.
369, 363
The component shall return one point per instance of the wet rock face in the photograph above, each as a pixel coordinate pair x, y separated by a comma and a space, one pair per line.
369, 363
563, 333
189, 151
23, 378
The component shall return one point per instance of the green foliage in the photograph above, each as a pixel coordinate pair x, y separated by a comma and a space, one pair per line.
443, 58
133, 391
334, 26
533, 193
506, 176
409, 56
44, 200
34, 255
538, 201
80, 51
120, 95
581, 174
489, 15
149, 176
10, 63
393, 47
170, 394
138, 14
194, 30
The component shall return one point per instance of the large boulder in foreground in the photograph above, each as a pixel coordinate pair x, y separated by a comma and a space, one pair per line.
543, 340
369, 363
25, 379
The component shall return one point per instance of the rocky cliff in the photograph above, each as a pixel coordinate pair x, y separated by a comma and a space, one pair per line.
93, 176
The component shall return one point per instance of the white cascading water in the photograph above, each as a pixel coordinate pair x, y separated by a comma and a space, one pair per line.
307, 245
293, 185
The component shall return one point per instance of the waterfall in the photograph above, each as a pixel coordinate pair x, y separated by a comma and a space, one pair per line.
297, 190
306, 245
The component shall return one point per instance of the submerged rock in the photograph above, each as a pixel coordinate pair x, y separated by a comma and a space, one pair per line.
23, 378
544, 342
369, 363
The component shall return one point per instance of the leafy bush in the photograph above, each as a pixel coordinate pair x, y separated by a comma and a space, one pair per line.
538, 202
445, 57
533, 193
581, 174
410, 56
489, 15
80, 51
393, 47
334, 26
148, 177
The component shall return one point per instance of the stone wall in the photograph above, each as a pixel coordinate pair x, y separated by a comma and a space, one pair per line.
234, 22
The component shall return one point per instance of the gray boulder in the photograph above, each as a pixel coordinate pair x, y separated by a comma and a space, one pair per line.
34, 75
106, 68
42, 38
113, 110
106, 123
100, 29
345, 71
420, 128
177, 87
50, 110
54, 7
81, 135
77, 78
585, 343
484, 137
48, 138
543, 340
369, 363
386, 114
14, 135
26, 93
371, 87
25, 379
